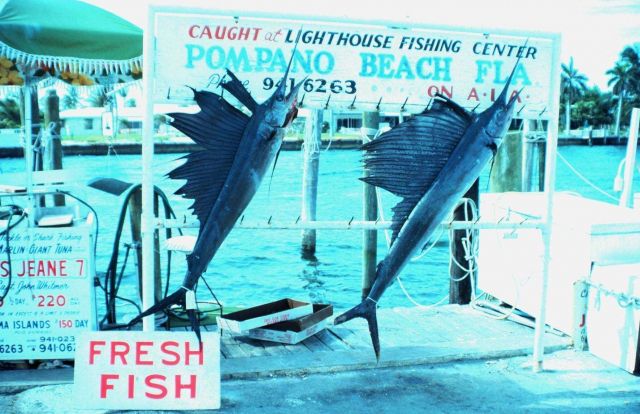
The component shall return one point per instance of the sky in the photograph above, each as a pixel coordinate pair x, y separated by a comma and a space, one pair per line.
594, 32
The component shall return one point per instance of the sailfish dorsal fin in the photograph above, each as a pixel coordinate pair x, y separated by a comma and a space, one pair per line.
407, 159
218, 128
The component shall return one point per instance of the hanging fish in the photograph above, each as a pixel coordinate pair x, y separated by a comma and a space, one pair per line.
431, 160
223, 177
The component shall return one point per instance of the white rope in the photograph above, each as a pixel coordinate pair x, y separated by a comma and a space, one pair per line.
585, 179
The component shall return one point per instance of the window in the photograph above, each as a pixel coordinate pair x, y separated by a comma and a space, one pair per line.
88, 123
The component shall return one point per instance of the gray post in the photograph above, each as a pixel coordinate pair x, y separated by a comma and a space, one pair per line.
506, 174
53, 147
312, 145
370, 121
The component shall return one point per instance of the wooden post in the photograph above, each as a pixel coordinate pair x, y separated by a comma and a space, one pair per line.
370, 121
34, 125
528, 154
506, 174
312, 146
460, 290
53, 147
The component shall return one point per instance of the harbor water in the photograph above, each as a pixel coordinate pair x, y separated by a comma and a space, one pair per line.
257, 266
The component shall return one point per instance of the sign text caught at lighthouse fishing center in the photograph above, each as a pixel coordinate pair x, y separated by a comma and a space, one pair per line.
351, 65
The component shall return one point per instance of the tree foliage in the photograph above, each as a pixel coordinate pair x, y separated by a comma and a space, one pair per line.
70, 100
10, 113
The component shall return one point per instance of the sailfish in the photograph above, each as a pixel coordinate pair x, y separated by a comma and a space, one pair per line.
430, 161
224, 176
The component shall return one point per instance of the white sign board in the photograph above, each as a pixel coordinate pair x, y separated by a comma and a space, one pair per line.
51, 298
147, 370
350, 65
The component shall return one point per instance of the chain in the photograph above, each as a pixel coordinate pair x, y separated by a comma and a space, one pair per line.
624, 301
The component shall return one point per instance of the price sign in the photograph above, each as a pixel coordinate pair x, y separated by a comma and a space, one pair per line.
50, 298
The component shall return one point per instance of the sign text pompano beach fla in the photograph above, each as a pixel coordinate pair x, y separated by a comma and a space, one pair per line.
356, 66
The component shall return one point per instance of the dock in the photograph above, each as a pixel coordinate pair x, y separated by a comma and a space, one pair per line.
408, 337
438, 360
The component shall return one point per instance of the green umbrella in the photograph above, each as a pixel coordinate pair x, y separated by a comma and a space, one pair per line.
69, 40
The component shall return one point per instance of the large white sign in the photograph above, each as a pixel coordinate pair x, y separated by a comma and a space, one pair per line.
51, 296
147, 370
351, 65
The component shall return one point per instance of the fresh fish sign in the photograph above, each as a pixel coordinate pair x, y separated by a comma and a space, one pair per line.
361, 65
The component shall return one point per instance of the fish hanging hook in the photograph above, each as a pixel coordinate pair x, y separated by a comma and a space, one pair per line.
326, 104
379, 102
523, 106
403, 104
302, 100
353, 103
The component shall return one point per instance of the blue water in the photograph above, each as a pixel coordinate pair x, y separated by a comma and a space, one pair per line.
256, 266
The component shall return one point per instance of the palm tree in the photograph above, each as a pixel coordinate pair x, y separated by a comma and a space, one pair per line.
573, 84
620, 78
631, 56
99, 98
71, 99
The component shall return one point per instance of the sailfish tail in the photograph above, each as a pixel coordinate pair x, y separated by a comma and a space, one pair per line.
176, 298
367, 310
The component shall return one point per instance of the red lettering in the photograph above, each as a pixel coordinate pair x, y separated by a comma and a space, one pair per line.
191, 31
206, 32
515, 93
51, 268
157, 386
81, 263
188, 353
125, 348
63, 268
4, 266
142, 352
191, 386
220, 35
131, 387
244, 33
164, 347
40, 269
473, 94
24, 270
104, 385
93, 351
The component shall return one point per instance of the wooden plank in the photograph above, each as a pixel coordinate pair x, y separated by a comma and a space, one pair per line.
315, 345
332, 341
356, 339
231, 346
273, 348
